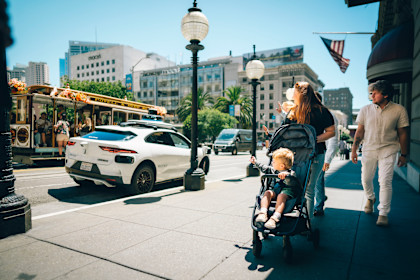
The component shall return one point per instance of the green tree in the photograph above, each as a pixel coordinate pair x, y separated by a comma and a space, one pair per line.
209, 124
114, 89
235, 96
204, 100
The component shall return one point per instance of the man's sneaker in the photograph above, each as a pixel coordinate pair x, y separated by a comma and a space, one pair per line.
272, 223
261, 218
382, 221
319, 213
369, 206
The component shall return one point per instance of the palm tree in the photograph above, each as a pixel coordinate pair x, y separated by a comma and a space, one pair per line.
235, 96
204, 100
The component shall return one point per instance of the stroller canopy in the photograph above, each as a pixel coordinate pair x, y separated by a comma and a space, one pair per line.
300, 138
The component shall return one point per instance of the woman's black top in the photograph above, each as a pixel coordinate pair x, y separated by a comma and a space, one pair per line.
321, 118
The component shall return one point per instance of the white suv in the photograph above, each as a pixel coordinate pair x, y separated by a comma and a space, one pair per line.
134, 155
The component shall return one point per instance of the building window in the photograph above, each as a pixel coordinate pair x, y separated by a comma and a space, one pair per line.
102, 63
113, 70
261, 96
87, 66
93, 80
145, 94
102, 71
97, 79
107, 70
113, 78
208, 88
97, 64
78, 68
83, 74
262, 78
107, 79
271, 87
262, 87
271, 96
92, 65
271, 106
262, 106
97, 72
78, 75
107, 62
151, 93
217, 87
87, 74
113, 61
83, 67
92, 73
145, 84
103, 80
244, 80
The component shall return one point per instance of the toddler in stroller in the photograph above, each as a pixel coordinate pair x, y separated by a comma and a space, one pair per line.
301, 140
286, 186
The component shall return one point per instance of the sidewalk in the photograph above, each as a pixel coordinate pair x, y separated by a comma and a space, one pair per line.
174, 234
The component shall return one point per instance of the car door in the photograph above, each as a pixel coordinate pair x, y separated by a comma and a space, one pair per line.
164, 155
182, 151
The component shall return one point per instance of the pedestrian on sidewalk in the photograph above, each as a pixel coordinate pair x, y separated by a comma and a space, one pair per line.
308, 109
383, 127
343, 147
332, 148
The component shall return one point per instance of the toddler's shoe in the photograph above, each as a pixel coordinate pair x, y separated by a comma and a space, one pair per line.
261, 218
272, 223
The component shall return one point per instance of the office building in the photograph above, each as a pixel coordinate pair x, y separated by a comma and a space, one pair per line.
18, 72
113, 64
340, 99
79, 47
167, 86
37, 73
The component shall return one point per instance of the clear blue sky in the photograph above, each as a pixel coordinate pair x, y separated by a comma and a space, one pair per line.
41, 30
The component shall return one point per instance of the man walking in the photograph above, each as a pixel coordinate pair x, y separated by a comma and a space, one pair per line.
383, 127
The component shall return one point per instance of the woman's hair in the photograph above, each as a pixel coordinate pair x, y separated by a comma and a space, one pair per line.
306, 102
285, 156
88, 121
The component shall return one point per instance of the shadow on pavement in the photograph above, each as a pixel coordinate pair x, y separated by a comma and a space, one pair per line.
92, 194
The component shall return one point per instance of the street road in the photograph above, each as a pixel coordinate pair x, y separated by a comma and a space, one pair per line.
50, 189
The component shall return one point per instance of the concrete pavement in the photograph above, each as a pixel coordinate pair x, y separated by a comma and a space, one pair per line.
174, 234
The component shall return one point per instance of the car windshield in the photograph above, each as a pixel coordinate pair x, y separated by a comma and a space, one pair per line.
110, 135
226, 136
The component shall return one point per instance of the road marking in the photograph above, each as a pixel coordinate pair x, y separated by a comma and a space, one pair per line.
43, 186
125, 198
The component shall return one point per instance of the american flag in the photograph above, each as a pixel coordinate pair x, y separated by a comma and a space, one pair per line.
336, 48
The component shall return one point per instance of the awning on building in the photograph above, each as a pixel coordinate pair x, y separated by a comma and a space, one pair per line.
392, 54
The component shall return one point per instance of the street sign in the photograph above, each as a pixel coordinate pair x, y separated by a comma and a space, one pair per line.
231, 110
237, 110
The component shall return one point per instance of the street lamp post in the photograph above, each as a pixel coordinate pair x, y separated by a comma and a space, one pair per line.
148, 55
254, 71
194, 27
15, 210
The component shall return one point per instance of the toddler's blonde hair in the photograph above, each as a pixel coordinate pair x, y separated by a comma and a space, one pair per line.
285, 156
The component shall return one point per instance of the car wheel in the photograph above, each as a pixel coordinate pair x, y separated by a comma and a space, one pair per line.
234, 151
143, 180
205, 165
216, 152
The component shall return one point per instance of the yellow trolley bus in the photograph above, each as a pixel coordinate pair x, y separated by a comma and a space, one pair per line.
42, 104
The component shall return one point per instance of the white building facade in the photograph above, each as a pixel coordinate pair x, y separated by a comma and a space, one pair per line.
112, 64
37, 73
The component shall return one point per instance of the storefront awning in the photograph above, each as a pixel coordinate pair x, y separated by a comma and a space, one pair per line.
392, 54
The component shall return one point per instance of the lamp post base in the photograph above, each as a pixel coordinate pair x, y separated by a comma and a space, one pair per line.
252, 171
194, 181
15, 216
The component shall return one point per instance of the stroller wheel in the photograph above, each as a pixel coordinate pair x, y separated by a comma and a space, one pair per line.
287, 249
256, 245
315, 238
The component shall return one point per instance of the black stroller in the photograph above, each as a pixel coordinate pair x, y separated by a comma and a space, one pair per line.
301, 139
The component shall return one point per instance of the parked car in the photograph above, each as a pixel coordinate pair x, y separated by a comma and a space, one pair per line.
134, 155
233, 141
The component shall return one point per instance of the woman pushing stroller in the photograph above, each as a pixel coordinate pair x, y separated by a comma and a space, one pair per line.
286, 187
